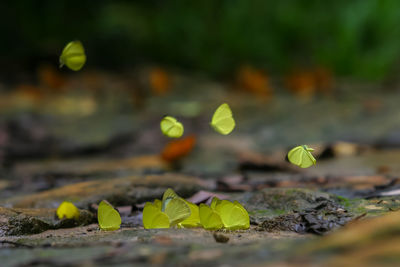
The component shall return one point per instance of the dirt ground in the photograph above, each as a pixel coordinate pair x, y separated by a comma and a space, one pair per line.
99, 138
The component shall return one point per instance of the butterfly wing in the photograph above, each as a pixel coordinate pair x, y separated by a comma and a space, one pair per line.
308, 148
194, 219
308, 160
73, 56
214, 202
177, 210
158, 203
169, 193
222, 120
109, 219
209, 219
153, 217
295, 155
233, 216
176, 131
224, 126
244, 220
223, 111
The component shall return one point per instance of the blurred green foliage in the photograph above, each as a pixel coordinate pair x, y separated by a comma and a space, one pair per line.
360, 38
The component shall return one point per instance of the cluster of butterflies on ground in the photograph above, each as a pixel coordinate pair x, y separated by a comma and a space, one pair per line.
172, 210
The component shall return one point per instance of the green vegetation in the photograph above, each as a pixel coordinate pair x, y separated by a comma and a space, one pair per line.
359, 37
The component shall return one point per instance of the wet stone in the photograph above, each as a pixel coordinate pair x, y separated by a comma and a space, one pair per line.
320, 219
33, 221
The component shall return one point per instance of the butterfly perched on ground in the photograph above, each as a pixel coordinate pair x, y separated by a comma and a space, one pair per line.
73, 56
153, 217
222, 120
224, 214
209, 218
108, 217
301, 156
67, 210
194, 219
168, 212
171, 127
233, 215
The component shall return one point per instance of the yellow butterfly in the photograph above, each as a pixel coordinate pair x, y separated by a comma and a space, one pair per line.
214, 202
222, 120
153, 217
301, 156
175, 207
209, 218
194, 219
224, 214
67, 210
171, 127
233, 215
109, 218
73, 55
172, 207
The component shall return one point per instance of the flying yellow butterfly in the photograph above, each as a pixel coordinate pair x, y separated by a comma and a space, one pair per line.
73, 55
109, 218
222, 120
301, 156
67, 210
171, 127
233, 215
173, 207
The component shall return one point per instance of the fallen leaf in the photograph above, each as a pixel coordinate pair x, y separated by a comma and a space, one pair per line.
324, 80
301, 83
307, 82
254, 81
160, 82
205, 197
50, 77
177, 149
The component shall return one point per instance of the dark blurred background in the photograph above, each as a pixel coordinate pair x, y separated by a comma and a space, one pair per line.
358, 38
293, 71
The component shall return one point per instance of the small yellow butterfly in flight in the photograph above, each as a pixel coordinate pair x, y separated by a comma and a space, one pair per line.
169, 212
109, 218
171, 127
301, 156
73, 55
67, 210
222, 120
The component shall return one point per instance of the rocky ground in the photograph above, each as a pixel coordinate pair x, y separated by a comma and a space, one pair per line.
85, 145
